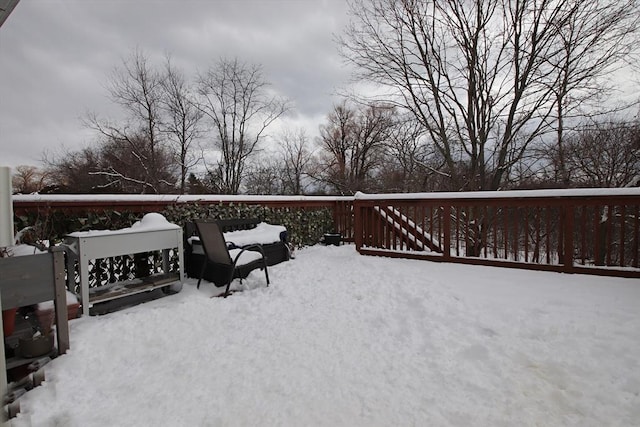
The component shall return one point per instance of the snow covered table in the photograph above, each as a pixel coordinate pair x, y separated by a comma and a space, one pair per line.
152, 233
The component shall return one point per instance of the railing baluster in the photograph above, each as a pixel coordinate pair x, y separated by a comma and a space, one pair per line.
583, 234
609, 237
394, 236
382, 231
423, 238
440, 216
431, 224
405, 227
383, 226
485, 224
526, 234
365, 225
457, 224
495, 232
596, 236
377, 222
560, 243
516, 232
389, 236
636, 236
446, 216
401, 226
373, 226
537, 247
467, 230
568, 238
548, 235
505, 232
623, 217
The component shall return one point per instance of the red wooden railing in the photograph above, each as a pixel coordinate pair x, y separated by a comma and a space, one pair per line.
342, 207
573, 231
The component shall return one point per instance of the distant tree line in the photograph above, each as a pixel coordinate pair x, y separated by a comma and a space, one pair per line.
472, 95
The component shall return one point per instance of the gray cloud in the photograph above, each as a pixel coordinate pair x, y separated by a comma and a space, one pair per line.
55, 57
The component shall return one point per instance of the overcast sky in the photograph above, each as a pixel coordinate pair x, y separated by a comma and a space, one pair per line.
56, 56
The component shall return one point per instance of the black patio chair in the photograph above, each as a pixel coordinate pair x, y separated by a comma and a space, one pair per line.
225, 257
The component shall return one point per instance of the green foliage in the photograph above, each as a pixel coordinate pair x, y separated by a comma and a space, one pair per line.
54, 224
305, 225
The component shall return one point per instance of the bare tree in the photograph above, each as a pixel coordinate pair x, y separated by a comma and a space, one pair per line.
139, 90
296, 159
75, 171
197, 185
283, 172
182, 119
594, 40
123, 174
237, 100
353, 142
604, 155
265, 177
409, 157
27, 179
100, 169
481, 76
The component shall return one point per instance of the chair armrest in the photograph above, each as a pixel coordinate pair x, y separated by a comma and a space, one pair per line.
253, 246
248, 248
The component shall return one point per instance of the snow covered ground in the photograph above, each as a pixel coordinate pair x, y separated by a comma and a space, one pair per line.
346, 340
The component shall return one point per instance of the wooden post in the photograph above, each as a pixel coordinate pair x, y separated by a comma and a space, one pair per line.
60, 300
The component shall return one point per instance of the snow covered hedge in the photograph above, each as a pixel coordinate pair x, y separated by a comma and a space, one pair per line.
305, 225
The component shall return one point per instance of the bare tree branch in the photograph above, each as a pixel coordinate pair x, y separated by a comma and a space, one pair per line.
483, 76
234, 96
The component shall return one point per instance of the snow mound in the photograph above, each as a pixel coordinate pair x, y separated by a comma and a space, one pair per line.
150, 222
153, 221
22, 250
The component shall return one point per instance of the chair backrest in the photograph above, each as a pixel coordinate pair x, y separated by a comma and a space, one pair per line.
212, 239
235, 224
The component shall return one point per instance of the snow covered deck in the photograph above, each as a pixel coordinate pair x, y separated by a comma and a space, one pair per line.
346, 340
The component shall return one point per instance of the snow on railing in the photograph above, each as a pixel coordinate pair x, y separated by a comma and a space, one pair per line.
169, 198
508, 194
